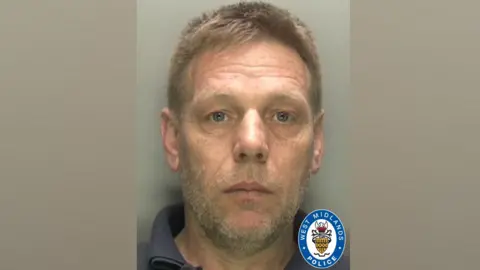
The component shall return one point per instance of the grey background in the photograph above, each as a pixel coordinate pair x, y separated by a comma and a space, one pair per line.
67, 100
415, 150
67, 148
159, 26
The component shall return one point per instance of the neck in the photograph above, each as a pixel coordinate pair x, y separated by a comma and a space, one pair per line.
198, 250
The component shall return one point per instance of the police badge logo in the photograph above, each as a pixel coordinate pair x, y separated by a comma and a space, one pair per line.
321, 239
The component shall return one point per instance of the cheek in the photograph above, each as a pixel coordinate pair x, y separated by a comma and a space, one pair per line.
214, 152
292, 153
207, 155
291, 161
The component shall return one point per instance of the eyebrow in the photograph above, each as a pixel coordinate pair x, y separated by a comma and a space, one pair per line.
207, 94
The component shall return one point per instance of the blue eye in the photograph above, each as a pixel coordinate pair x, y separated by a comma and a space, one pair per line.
218, 116
283, 116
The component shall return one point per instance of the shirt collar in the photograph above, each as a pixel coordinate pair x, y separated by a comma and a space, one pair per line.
163, 252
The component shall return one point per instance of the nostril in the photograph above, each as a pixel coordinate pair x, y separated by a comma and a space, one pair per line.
251, 156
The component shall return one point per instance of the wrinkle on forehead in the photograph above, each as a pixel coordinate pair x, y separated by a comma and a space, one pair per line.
263, 63
232, 68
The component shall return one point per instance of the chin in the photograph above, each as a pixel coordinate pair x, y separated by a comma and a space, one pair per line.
248, 219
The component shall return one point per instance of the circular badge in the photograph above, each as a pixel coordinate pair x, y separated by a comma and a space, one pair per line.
321, 239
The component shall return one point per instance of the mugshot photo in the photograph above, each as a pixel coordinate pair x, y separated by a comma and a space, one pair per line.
241, 135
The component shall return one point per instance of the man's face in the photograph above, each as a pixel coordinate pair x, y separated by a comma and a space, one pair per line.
247, 142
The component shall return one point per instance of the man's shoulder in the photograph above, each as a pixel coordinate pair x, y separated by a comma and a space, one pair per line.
142, 260
160, 248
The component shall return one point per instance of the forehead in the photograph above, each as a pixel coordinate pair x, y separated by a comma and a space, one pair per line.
254, 69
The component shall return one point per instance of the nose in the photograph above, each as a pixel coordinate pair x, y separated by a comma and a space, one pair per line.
250, 144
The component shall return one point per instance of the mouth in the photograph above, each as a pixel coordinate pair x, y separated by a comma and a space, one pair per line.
248, 187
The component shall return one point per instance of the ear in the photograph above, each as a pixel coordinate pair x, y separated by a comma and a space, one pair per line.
318, 143
170, 138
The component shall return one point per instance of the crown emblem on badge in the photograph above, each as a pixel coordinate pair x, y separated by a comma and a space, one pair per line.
321, 227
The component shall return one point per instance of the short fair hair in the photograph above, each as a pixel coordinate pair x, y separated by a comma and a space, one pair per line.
237, 24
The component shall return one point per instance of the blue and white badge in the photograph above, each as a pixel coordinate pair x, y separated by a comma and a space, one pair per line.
321, 239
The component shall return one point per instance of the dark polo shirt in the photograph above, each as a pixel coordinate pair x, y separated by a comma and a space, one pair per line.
161, 253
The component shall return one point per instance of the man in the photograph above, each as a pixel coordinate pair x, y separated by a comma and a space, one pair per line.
243, 128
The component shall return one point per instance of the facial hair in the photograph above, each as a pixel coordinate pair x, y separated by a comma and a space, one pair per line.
211, 219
